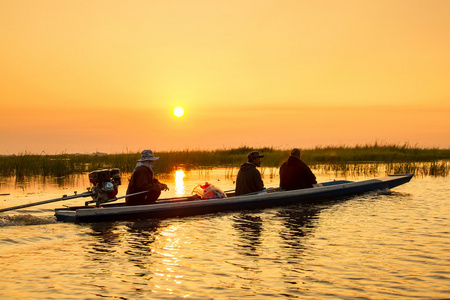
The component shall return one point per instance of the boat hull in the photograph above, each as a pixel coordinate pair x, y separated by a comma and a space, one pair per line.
181, 208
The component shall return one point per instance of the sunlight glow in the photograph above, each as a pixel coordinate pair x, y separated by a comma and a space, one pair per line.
353, 72
179, 183
178, 112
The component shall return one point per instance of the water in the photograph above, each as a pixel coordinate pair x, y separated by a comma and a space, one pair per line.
375, 246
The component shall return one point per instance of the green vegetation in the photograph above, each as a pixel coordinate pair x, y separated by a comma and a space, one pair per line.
395, 159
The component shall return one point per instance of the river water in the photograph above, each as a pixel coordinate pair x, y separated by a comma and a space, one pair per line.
380, 245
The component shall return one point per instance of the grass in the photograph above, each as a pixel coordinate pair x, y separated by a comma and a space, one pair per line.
395, 158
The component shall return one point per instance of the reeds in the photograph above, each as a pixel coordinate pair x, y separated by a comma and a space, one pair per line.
440, 168
362, 159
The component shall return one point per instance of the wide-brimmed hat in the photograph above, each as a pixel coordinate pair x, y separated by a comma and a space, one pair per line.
252, 155
147, 155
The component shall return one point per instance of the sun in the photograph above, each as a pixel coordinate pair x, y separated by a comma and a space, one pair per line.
178, 112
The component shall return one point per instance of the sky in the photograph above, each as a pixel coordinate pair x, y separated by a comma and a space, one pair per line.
83, 76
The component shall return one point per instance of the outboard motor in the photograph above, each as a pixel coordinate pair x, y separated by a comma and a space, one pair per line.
105, 184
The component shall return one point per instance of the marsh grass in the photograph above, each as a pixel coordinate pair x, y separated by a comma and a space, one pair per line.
364, 160
440, 168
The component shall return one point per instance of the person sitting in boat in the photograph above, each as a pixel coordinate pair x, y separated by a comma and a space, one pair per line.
248, 178
295, 174
143, 179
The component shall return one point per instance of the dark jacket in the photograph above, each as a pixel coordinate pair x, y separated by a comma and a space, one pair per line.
143, 180
248, 180
295, 174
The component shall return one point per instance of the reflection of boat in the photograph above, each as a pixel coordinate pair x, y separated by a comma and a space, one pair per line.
186, 206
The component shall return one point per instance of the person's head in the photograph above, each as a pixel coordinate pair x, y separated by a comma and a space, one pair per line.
296, 153
255, 158
147, 156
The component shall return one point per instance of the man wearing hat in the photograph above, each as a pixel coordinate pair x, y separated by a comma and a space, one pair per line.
143, 179
249, 179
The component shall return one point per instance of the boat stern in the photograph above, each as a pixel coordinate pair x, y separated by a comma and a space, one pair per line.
65, 215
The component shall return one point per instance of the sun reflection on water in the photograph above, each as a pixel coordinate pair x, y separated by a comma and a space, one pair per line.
180, 189
171, 242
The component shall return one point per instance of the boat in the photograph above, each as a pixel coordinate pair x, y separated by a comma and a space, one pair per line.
188, 206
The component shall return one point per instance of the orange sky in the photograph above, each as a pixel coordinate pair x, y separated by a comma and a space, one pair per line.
86, 76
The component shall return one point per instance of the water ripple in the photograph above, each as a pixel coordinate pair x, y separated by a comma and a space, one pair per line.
372, 246
25, 220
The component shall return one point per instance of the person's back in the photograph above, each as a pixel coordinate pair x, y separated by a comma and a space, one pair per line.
295, 174
142, 180
249, 179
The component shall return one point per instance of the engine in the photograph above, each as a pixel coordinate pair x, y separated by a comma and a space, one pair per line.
105, 184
